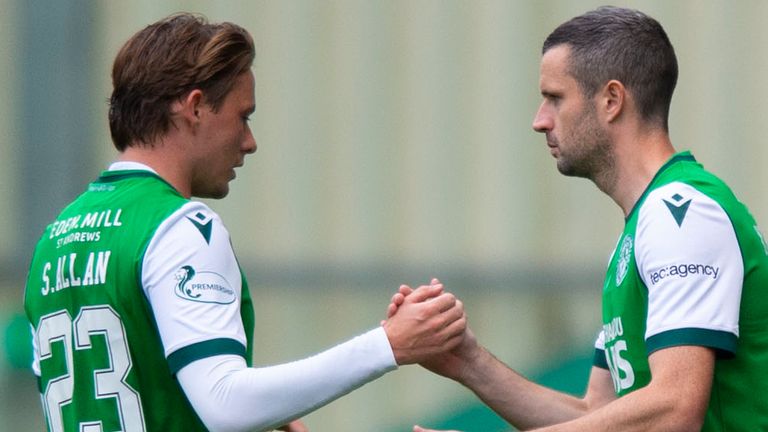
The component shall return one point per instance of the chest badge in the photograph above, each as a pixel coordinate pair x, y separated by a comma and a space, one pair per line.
625, 254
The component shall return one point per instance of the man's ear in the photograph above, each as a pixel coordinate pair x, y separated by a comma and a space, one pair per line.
187, 108
612, 99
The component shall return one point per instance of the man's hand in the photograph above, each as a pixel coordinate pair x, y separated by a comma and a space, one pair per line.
294, 426
426, 322
399, 297
450, 364
421, 429
454, 363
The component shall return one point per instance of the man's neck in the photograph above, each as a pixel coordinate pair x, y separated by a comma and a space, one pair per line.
637, 163
165, 161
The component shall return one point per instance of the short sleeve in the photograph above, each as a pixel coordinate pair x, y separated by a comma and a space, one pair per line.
193, 282
689, 259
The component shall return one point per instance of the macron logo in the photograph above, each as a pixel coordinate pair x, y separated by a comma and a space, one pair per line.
203, 224
679, 208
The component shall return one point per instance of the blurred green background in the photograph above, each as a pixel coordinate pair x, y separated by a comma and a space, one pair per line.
394, 145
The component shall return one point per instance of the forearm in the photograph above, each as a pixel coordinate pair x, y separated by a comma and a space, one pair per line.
521, 402
641, 411
229, 396
676, 399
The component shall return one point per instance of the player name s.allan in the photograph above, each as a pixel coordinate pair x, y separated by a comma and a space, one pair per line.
70, 272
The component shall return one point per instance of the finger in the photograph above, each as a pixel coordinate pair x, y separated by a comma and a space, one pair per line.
295, 426
424, 292
442, 302
435, 281
405, 290
397, 299
391, 310
451, 344
454, 333
452, 314
451, 328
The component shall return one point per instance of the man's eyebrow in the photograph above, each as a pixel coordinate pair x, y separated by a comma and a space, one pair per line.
550, 93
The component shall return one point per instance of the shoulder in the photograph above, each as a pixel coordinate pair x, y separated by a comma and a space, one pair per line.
678, 203
193, 221
679, 224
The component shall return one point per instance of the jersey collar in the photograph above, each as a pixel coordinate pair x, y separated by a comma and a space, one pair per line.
129, 166
684, 156
128, 169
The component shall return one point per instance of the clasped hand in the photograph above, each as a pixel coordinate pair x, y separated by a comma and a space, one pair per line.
424, 322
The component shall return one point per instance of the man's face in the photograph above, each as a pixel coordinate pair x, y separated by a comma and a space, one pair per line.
225, 140
569, 120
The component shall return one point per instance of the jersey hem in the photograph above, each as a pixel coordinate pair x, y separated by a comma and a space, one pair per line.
186, 355
723, 342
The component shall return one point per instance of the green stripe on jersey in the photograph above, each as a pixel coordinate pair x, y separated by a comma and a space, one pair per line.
186, 355
722, 341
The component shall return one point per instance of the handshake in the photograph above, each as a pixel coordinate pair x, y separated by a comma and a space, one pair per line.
428, 326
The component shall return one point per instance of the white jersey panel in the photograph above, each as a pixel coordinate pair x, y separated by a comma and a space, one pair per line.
600, 340
689, 259
192, 279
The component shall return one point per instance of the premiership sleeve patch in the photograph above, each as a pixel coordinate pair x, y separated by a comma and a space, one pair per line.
203, 286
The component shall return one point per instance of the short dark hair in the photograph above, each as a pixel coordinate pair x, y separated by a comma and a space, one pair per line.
626, 45
165, 61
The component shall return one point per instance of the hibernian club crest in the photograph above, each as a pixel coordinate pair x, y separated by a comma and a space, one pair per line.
625, 254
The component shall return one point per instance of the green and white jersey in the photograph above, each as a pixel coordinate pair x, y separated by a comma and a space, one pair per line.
691, 268
128, 285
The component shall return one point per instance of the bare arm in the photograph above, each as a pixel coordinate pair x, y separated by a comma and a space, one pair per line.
528, 405
676, 398
521, 402
518, 400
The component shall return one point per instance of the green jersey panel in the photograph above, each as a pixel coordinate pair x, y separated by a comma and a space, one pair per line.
691, 268
99, 357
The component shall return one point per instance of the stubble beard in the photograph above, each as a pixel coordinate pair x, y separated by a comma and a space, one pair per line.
589, 151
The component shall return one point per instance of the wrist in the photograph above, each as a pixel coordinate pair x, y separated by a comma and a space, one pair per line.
471, 368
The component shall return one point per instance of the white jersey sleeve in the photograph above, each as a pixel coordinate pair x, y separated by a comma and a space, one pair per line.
192, 280
689, 259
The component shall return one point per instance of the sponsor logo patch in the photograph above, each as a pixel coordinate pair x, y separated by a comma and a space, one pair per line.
203, 287
682, 271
